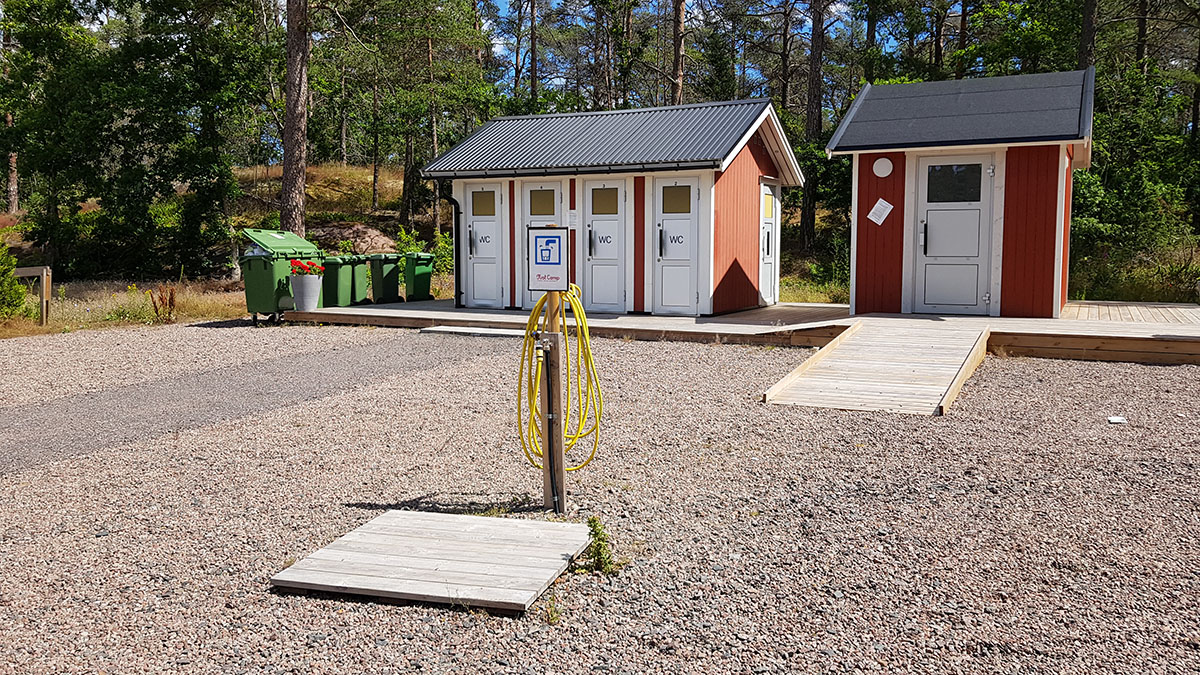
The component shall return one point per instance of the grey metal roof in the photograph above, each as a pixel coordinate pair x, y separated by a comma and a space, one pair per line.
982, 111
647, 139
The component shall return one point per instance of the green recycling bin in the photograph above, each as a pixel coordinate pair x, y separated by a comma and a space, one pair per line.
385, 277
418, 272
266, 266
337, 285
359, 281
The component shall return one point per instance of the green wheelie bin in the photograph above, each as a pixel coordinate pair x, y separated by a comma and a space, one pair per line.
337, 286
266, 268
418, 272
359, 282
385, 277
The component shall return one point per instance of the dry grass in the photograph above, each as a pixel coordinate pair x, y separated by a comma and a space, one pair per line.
330, 187
796, 289
101, 304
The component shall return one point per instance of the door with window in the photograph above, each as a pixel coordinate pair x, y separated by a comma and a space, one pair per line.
485, 247
768, 238
542, 207
603, 279
676, 207
954, 235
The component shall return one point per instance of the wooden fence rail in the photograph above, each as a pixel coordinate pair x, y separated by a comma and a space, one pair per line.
43, 276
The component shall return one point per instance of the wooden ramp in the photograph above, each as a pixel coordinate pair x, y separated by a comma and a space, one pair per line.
917, 368
497, 563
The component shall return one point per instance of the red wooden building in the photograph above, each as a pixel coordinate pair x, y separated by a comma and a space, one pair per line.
962, 193
671, 210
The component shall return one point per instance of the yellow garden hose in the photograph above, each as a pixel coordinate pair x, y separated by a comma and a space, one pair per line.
583, 403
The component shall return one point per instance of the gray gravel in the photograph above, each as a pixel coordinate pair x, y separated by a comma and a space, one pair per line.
1021, 532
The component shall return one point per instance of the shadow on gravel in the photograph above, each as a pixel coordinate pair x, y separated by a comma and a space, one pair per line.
228, 323
459, 503
359, 598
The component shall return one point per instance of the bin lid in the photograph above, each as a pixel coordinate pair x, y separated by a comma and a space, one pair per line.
391, 257
416, 255
282, 242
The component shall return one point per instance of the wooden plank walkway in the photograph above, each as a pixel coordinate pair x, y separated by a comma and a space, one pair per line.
894, 368
476, 561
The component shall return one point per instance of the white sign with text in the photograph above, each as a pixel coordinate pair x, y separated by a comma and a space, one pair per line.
548, 258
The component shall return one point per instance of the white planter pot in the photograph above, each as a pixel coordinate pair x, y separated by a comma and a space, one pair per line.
306, 291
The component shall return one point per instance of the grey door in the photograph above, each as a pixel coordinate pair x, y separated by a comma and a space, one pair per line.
954, 235
485, 244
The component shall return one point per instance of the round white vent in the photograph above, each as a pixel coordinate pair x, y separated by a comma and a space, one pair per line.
882, 167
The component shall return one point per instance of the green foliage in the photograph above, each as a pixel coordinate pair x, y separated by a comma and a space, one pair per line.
443, 253
12, 291
133, 306
598, 554
408, 242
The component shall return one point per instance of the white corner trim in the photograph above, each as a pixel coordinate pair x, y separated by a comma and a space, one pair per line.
1060, 213
999, 159
707, 211
908, 286
853, 232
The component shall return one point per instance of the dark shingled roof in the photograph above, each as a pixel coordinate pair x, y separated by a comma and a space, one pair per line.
696, 136
983, 111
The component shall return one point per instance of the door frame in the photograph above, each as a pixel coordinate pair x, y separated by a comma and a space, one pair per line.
526, 297
460, 190
625, 232
776, 192
652, 229
911, 191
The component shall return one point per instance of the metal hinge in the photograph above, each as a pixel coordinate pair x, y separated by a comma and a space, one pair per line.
987, 298
992, 171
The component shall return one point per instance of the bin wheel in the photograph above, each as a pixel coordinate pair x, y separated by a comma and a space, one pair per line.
254, 319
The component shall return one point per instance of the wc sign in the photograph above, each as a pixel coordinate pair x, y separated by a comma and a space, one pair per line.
547, 257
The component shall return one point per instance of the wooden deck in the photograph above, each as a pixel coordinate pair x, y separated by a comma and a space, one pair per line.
475, 561
880, 366
1127, 334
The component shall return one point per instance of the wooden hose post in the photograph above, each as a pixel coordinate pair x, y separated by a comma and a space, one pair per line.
554, 471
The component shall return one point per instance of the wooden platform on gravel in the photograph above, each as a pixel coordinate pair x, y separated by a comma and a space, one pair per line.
917, 369
474, 561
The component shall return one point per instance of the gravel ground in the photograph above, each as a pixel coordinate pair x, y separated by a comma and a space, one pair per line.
1020, 533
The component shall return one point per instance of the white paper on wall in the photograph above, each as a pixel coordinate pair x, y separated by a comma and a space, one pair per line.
879, 212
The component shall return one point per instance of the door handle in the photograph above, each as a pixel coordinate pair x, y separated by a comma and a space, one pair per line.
591, 242
471, 242
924, 239
660, 242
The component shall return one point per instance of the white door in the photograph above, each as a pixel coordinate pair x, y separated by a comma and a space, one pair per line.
541, 207
954, 235
485, 247
676, 207
768, 241
604, 246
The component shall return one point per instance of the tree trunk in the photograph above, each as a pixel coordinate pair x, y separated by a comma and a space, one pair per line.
960, 68
533, 57
677, 7
939, 31
375, 141
1087, 35
344, 116
785, 57
437, 196
872, 40
295, 121
1143, 9
14, 194
813, 118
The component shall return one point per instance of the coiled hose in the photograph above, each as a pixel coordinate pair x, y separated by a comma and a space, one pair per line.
583, 403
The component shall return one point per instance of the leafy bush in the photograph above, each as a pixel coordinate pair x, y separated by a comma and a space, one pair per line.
12, 291
408, 242
443, 253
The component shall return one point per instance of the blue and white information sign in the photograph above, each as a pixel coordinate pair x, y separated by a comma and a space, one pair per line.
548, 257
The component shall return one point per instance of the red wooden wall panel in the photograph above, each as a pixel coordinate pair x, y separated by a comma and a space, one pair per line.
512, 243
1030, 231
879, 249
639, 244
735, 243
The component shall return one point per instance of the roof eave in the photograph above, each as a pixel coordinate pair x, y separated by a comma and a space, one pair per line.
957, 144
575, 170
